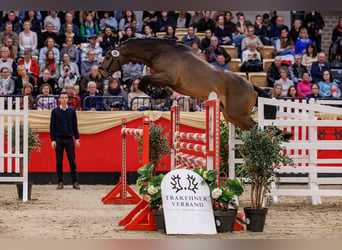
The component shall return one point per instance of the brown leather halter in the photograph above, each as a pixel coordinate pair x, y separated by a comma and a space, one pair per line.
105, 68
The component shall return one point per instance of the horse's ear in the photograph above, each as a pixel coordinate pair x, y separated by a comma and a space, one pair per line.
115, 53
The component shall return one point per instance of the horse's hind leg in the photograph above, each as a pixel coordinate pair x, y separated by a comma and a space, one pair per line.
242, 122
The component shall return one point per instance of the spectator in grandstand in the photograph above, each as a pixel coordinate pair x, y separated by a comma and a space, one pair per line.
302, 41
337, 31
73, 100
69, 34
27, 91
51, 64
126, 20
69, 20
150, 17
284, 80
94, 46
294, 32
92, 77
326, 83
292, 92
13, 50
14, 20
128, 34
195, 18
130, 71
9, 32
284, 46
182, 19
34, 17
46, 78
83, 16
196, 48
260, 30
7, 86
214, 49
222, 32
228, 17
28, 40
110, 103
73, 66
220, 62
277, 90
45, 100
297, 69
205, 42
93, 102
241, 32
89, 28
109, 40
304, 86
22, 79
49, 45
273, 73
314, 92
108, 21
163, 22
54, 19
251, 59
72, 50
206, 22
314, 22
87, 64
31, 65
251, 38
67, 77
135, 92
334, 92
276, 29
309, 56
170, 33
148, 32
46, 34
318, 67
6, 61
190, 38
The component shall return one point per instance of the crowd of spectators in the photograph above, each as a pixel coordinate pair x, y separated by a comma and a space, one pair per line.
43, 52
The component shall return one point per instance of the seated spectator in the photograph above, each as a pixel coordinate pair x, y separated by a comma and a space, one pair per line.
294, 32
292, 92
222, 32
9, 32
22, 79
304, 86
76, 40
94, 46
260, 30
228, 17
273, 73
6, 61
89, 28
69, 20
205, 42
126, 20
297, 69
71, 50
251, 38
27, 91
67, 77
302, 41
276, 29
54, 20
13, 51
251, 59
190, 38
182, 19
214, 49
148, 32
28, 40
6, 83
49, 45
206, 22
135, 92
73, 100
114, 90
326, 83
31, 16
88, 64
318, 67
277, 90
128, 34
93, 102
241, 32
92, 77
31, 65
130, 71
14, 20
46, 34
109, 40
163, 22
73, 66
284, 80
108, 21
334, 92
50, 64
309, 56
284, 46
195, 47
46, 100
47, 78
170, 33
314, 92
220, 62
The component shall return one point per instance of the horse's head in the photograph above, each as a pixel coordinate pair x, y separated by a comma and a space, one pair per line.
110, 64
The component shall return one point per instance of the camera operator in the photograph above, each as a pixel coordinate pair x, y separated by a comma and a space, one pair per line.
67, 77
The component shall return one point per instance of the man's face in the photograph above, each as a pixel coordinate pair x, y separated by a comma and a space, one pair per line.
92, 89
46, 74
49, 28
11, 17
298, 60
9, 28
9, 42
91, 56
220, 60
321, 57
63, 99
280, 21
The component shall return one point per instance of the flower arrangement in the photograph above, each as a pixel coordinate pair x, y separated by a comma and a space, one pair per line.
223, 198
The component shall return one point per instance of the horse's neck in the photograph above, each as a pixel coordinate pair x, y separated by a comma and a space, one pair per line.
138, 53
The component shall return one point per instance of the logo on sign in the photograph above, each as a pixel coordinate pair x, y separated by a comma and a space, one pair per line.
176, 183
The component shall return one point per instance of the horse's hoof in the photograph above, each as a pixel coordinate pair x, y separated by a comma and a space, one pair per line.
287, 136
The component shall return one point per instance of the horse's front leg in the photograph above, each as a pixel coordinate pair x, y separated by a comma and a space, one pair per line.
151, 85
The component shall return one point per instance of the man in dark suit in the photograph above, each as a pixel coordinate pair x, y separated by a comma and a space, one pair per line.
317, 68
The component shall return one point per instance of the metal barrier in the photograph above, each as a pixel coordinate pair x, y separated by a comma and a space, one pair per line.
104, 103
187, 103
141, 103
70, 103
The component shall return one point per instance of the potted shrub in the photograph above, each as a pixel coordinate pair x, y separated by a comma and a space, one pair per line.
159, 146
34, 143
263, 155
224, 199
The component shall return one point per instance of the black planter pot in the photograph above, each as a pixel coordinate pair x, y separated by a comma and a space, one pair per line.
255, 219
20, 190
159, 219
225, 220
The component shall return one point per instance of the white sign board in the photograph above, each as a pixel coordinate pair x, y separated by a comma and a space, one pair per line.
187, 204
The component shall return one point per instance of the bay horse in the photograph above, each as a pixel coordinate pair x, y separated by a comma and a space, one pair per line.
177, 66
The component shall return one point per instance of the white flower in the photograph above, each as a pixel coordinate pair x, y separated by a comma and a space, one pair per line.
216, 193
152, 190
